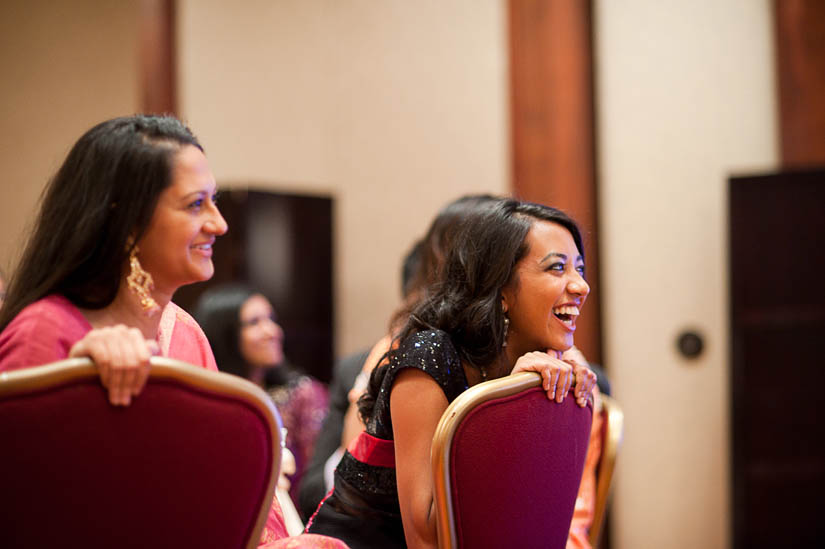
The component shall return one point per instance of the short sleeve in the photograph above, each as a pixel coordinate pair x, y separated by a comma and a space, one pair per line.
430, 351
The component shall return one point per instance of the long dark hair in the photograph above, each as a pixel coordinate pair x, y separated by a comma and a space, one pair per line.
440, 236
99, 201
466, 301
218, 312
432, 249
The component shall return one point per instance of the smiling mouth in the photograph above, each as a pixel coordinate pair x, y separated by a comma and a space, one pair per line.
567, 314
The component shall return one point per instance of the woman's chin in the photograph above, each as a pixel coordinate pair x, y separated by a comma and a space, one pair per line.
561, 345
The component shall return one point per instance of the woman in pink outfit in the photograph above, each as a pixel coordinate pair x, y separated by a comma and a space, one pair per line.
128, 219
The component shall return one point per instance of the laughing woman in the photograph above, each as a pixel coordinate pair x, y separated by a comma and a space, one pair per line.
507, 301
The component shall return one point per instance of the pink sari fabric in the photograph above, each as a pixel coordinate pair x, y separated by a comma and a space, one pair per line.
45, 331
579, 537
41, 333
274, 535
180, 337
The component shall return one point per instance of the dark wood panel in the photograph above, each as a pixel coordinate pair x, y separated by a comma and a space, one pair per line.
777, 323
281, 244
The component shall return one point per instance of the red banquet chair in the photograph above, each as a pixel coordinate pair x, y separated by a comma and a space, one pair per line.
192, 462
507, 464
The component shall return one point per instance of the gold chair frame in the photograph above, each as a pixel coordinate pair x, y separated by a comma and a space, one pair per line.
56, 373
613, 428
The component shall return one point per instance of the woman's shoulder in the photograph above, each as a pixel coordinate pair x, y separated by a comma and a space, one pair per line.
312, 389
426, 345
53, 312
432, 352
54, 305
42, 332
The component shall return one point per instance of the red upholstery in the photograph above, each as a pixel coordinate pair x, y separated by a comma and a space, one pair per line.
515, 464
183, 466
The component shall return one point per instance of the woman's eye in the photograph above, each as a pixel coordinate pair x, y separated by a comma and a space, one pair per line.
580, 269
215, 198
556, 267
196, 205
258, 320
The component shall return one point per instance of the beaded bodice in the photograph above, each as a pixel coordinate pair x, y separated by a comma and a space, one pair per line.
430, 351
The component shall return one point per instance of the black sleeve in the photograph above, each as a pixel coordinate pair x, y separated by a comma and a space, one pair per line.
313, 489
430, 351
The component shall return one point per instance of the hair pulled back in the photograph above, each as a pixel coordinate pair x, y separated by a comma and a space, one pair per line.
97, 205
218, 312
465, 301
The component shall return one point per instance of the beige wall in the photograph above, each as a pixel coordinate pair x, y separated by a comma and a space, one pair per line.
685, 99
391, 107
64, 66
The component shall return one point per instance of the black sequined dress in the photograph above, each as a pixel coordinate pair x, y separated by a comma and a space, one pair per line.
363, 508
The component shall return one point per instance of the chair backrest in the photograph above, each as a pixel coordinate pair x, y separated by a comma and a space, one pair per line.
193, 461
612, 430
507, 463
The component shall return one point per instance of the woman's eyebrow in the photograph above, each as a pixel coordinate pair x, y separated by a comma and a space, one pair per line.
553, 254
193, 194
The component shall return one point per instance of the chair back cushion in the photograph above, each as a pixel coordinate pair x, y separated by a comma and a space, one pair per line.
184, 465
515, 464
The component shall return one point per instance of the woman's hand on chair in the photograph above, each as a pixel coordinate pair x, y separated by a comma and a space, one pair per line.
559, 372
122, 358
557, 375
585, 378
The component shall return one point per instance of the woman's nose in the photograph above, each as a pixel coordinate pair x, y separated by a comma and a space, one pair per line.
271, 327
578, 286
217, 224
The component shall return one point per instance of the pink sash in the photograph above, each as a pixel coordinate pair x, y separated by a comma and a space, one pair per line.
373, 450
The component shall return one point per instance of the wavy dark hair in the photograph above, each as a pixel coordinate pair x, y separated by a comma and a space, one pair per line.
99, 201
466, 300
440, 236
432, 249
218, 312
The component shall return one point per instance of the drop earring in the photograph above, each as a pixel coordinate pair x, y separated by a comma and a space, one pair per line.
506, 329
141, 284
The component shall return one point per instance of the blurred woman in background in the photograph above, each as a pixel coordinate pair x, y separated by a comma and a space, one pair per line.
247, 340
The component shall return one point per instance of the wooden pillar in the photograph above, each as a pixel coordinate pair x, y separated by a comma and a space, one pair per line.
158, 93
552, 118
800, 52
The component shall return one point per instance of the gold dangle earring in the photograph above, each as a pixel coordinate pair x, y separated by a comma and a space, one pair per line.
141, 284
